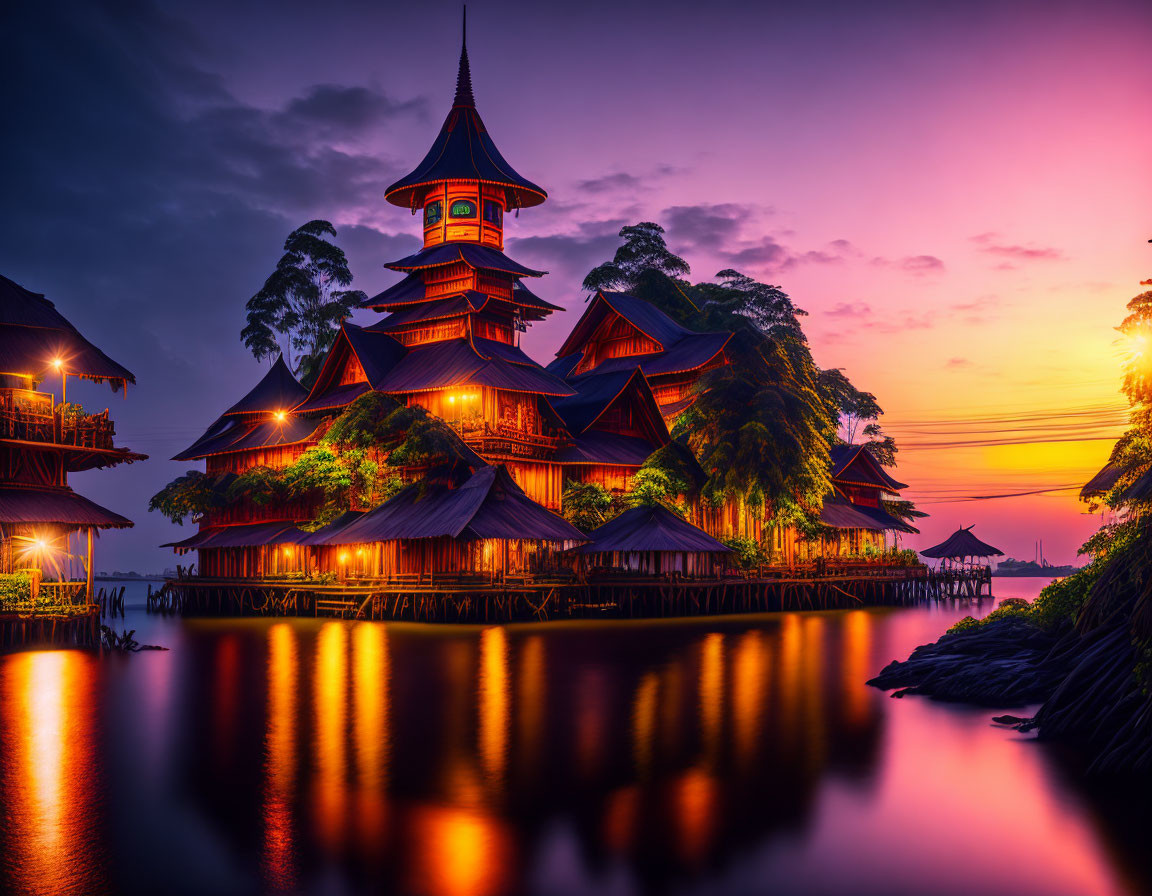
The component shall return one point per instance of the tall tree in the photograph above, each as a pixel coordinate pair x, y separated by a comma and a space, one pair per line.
642, 252
761, 426
303, 301
858, 413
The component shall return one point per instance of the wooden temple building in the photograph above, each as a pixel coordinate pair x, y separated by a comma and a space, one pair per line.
47, 530
448, 341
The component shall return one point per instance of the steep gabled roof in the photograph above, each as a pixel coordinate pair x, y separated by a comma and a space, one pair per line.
463, 150
596, 394
488, 505
278, 390
483, 258
644, 316
376, 352
962, 543
855, 464
680, 350
33, 334
651, 528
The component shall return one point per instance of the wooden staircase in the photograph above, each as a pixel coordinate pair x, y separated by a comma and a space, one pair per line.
342, 608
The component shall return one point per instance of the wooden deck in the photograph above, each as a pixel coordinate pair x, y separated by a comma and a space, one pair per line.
470, 599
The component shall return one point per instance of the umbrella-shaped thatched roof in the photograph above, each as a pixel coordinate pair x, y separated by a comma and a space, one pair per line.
962, 543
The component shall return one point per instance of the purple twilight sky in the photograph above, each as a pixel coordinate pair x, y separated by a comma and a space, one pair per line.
958, 193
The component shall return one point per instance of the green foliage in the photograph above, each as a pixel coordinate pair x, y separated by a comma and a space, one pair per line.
587, 505
259, 485
191, 495
1060, 603
1010, 608
304, 299
747, 552
15, 590
651, 486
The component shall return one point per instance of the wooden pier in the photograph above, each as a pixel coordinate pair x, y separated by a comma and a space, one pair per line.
58, 627
474, 599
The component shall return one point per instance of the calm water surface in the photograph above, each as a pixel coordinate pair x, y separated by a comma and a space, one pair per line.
719, 756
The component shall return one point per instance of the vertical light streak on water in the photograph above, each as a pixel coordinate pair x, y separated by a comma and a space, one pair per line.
371, 729
330, 690
280, 758
711, 697
855, 668
494, 709
787, 727
531, 694
812, 666
644, 724
749, 693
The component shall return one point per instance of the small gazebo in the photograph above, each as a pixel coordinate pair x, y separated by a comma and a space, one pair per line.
962, 547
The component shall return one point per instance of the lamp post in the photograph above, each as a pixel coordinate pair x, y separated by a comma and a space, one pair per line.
58, 363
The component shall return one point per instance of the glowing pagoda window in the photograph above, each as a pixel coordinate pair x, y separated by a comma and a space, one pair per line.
433, 211
462, 208
492, 211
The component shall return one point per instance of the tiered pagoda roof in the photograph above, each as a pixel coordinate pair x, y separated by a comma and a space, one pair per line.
464, 150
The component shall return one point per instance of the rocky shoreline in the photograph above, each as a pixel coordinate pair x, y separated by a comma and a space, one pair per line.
1086, 683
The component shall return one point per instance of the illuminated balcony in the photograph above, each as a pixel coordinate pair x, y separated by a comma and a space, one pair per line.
30, 416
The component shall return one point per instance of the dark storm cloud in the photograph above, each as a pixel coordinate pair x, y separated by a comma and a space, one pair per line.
141, 192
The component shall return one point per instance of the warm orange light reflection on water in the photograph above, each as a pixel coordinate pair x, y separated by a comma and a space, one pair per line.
493, 700
371, 729
49, 794
281, 758
459, 852
330, 693
736, 756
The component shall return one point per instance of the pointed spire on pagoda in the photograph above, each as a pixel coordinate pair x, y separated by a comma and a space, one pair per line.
464, 76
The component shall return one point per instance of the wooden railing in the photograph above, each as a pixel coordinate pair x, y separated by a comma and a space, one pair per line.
51, 598
31, 417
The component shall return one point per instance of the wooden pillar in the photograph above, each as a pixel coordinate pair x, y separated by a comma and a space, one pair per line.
88, 576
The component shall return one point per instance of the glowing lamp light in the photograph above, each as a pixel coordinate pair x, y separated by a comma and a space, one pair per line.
344, 558
451, 399
287, 552
280, 416
57, 363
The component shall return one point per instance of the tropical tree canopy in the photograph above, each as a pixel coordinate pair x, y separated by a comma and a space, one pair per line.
304, 300
643, 251
761, 425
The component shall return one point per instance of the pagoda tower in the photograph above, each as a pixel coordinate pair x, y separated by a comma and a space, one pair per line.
450, 339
